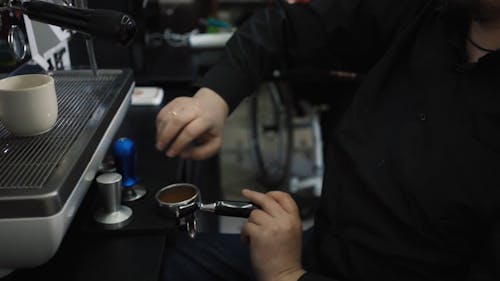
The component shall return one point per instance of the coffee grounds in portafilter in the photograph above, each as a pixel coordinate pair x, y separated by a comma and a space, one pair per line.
177, 194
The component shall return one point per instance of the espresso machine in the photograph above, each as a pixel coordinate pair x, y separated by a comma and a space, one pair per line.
43, 179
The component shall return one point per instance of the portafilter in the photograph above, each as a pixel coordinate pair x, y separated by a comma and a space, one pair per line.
182, 200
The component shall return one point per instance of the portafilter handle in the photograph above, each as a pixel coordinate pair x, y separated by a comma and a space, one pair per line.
229, 208
108, 24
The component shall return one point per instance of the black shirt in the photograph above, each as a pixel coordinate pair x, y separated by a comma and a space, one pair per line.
412, 181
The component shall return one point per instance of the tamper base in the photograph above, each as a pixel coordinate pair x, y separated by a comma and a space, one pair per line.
114, 220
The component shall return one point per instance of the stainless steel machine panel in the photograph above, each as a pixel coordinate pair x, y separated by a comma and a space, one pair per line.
43, 179
37, 174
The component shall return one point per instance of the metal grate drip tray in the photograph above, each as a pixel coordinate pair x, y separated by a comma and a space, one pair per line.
27, 162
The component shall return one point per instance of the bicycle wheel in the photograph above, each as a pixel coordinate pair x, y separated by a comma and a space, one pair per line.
271, 133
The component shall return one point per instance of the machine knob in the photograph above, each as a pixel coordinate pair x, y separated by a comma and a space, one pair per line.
111, 214
125, 156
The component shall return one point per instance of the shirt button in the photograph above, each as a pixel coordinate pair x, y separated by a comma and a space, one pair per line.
381, 163
422, 116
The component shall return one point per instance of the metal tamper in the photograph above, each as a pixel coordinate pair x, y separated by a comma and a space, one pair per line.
112, 214
125, 156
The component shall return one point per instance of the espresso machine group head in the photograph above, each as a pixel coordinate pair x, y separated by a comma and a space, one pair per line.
111, 25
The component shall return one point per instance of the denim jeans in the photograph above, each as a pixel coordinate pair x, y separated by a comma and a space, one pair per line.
211, 256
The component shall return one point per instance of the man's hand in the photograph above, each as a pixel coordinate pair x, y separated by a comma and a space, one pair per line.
187, 119
274, 235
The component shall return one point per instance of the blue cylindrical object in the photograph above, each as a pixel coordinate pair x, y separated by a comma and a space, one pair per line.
124, 154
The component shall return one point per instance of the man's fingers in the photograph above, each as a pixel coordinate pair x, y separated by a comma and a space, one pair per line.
187, 135
248, 230
162, 119
244, 239
285, 200
259, 217
266, 203
204, 150
161, 122
174, 124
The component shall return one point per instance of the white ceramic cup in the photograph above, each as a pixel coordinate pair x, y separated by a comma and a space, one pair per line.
28, 104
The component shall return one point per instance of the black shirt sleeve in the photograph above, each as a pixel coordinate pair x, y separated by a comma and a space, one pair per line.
346, 34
